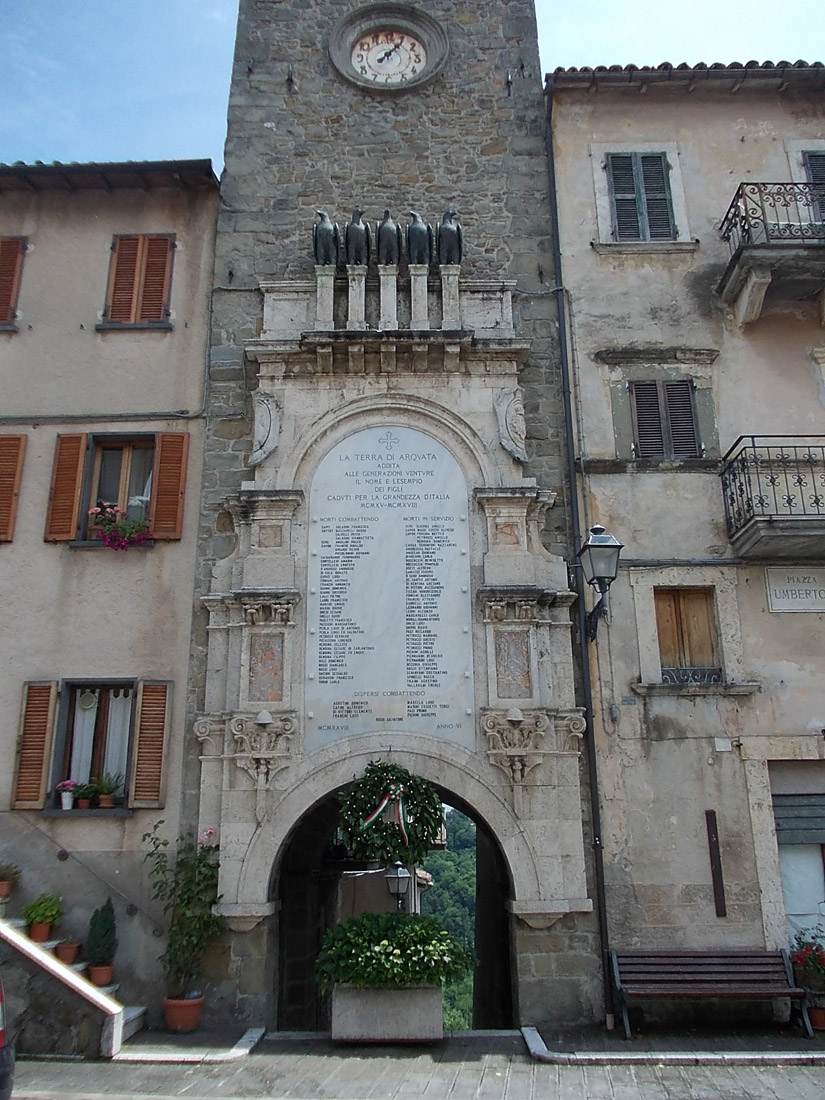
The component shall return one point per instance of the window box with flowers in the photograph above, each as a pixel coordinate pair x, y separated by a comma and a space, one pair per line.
115, 529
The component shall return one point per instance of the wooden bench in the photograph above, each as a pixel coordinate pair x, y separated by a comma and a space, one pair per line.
687, 975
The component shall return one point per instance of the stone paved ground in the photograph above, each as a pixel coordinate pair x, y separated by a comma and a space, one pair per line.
488, 1068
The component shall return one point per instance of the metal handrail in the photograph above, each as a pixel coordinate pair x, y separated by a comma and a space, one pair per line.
775, 214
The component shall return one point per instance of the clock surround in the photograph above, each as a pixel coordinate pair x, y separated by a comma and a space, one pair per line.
388, 48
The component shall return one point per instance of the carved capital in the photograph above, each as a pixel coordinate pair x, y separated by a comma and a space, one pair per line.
279, 611
263, 745
515, 740
569, 728
209, 728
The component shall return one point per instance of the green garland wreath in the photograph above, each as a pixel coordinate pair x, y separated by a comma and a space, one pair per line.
384, 840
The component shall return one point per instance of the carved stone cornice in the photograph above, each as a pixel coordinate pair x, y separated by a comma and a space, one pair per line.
278, 610
514, 603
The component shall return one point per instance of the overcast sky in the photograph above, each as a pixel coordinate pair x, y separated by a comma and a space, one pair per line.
148, 79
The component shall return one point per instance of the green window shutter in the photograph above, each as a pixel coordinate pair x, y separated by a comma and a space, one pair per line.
623, 197
657, 197
681, 419
648, 428
640, 198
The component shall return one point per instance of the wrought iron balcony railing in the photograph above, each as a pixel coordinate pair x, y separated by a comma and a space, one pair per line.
775, 214
773, 477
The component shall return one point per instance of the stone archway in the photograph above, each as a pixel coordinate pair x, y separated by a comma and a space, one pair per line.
305, 891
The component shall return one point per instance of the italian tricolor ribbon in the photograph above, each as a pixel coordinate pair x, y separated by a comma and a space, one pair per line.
394, 797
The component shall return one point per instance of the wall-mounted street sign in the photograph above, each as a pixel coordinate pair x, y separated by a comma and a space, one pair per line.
795, 588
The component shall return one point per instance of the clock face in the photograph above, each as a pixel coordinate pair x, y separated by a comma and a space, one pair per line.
388, 56
389, 48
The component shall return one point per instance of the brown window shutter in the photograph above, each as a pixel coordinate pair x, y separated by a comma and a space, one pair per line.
667, 627
698, 627
157, 266
121, 301
12, 449
34, 745
151, 723
64, 492
11, 266
168, 482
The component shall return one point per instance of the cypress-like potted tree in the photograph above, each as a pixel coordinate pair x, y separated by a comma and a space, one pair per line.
101, 944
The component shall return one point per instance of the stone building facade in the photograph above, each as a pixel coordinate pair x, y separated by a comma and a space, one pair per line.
105, 276
385, 511
692, 242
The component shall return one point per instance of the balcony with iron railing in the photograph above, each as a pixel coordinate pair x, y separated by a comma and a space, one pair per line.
776, 236
774, 493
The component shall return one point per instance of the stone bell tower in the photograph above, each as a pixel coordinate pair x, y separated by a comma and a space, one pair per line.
384, 520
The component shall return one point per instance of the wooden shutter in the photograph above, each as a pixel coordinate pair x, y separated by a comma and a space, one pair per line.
34, 746
681, 419
647, 415
657, 197
64, 492
121, 303
815, 169
139, 279
157, 265
685, 627
11, 265
12, 449
623, 193
168, 483
146, 782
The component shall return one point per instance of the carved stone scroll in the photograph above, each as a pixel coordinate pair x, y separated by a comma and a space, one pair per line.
267, 427
512, 427
263, 744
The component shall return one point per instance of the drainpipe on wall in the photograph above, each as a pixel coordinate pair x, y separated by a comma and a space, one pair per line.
592, 772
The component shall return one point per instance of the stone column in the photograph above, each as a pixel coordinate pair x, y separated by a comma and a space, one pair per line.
419, 315
450, 311
325, 281
388, 275
357, 276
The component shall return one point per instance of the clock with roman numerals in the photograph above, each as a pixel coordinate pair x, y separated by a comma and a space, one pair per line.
388, 47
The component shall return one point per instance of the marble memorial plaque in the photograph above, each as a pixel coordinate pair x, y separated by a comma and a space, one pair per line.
389, 640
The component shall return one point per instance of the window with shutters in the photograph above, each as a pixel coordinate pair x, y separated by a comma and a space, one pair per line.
664, 419
686, 628
640, 197
140, 277
815, 171
144, 475
83, 729
12, 250
12, 449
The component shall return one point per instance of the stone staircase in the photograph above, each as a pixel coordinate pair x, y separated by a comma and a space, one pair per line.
91, 1014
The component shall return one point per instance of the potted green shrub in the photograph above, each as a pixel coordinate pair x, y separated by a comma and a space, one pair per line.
386, 972
808, 958
185, 881
83, 795
41, 914
9, 877
101, 944
106, 787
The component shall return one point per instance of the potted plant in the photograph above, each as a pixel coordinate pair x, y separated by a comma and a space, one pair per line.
9, 877
67, 951
101, 944
386, 971
115, 529
808, 958
83, 795
185, 881
66, 789
106, 787
40, 914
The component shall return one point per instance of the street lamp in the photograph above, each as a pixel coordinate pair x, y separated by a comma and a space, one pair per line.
398, 882
599, 557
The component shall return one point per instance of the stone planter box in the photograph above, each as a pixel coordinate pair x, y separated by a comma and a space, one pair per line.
411, 1015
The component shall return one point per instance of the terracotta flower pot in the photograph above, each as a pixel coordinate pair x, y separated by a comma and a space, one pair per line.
183, 1014
5, 888
101, 975
39, 932
817, 1018
67, 952
83, 803
106, 801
